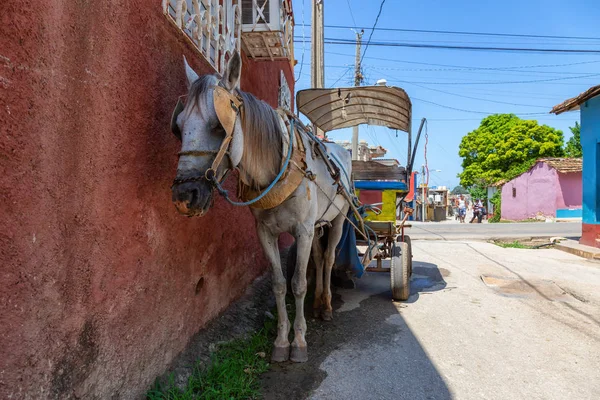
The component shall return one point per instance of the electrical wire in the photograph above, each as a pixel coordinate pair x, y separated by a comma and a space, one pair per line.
466, 67
504, 82
303, 46
341, 77
341, 41
351, 13
469, 33
372, 30
477, 98
469, 111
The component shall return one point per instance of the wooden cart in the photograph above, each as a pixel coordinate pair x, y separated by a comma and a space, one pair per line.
382, 229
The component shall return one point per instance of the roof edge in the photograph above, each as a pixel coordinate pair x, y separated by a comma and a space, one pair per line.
574, 102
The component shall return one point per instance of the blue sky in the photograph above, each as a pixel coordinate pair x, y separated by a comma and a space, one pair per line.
426, 73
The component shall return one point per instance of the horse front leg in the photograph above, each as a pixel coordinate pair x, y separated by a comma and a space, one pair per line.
281, 348
304, 239
317, 255
335, 234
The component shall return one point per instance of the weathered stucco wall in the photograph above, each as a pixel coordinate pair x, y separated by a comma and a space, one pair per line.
570, 191
535, 193
102, 282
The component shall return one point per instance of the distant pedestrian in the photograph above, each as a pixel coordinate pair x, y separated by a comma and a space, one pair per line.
462, 208
477, 211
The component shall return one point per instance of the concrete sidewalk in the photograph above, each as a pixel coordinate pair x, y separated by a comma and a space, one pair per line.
581, 250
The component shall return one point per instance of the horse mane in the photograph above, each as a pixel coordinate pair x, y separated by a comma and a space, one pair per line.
263, 141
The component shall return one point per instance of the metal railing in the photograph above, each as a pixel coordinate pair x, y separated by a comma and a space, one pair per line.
213, 26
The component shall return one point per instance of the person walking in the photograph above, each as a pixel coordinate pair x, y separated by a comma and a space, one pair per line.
462, 209
477, 211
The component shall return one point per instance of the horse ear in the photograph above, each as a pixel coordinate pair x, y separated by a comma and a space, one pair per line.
231, 77
192, 76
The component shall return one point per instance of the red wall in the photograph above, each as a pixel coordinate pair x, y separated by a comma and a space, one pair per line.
102, 282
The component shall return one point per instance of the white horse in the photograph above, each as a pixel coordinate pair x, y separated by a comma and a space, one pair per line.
222, 128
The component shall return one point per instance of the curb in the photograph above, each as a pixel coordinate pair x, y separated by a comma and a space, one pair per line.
589, 254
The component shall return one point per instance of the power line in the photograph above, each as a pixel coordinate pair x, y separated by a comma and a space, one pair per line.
469, 111
478, 98
341, 77
503, 82
372, 30
351, 14
341, 41
470, 67
303, 46
469, 33
475, 69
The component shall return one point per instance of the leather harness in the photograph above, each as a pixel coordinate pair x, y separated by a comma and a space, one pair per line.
228, 107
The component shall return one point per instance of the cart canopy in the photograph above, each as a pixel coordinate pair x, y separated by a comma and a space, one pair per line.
330, 109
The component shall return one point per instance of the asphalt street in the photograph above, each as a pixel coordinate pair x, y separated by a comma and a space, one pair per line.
531, 332
453, 231
482, 322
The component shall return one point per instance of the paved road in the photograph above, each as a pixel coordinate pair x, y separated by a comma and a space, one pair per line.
437, 231
531, 332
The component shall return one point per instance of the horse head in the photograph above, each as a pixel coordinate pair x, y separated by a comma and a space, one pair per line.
210, 130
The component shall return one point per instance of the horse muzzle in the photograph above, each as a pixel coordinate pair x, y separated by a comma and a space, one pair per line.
192, 198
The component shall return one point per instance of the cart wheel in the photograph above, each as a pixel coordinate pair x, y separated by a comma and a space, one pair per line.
399, 271
410, 255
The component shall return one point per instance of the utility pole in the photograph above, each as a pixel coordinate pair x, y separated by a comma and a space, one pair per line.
357, 82
317, 59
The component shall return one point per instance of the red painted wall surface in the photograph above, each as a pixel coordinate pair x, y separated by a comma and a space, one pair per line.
590, 235
102, 283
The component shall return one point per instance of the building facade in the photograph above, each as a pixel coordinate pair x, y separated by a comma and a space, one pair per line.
588, 103
550, 187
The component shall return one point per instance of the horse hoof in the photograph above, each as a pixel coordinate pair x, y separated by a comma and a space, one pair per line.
280, 354
299, 354
327, 315
317, 312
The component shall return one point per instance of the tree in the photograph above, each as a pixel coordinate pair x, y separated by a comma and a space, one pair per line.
459, 190
478, 192
573, 145
505, 146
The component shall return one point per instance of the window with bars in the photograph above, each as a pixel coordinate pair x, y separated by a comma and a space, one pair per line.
256, 12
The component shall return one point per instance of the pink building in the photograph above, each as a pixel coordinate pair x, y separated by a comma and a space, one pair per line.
552, 187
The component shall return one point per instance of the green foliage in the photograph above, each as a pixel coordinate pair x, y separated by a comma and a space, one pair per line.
459, 190
573, 145
503, 147
232, 374
478, 192
496, 200
514, 245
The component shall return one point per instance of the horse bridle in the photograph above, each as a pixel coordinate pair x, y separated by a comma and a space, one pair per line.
228, 107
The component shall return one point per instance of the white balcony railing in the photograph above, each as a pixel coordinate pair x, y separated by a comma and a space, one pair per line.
268, 29
214, 26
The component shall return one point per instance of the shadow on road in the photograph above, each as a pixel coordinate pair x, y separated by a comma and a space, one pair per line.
368, 352
426, 278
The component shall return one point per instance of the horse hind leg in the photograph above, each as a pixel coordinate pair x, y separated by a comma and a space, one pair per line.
299, 352
335, 234
281, 348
